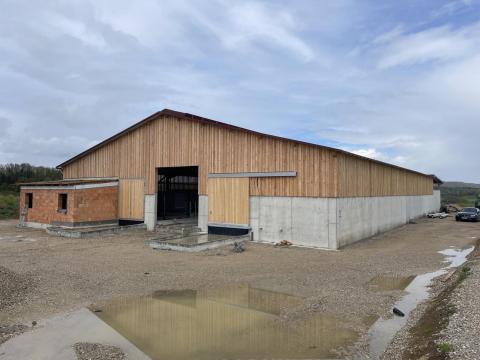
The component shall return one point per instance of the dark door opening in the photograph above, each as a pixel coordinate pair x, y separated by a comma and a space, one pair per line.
177, 192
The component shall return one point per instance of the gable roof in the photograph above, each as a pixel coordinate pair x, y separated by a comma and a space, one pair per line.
187, 116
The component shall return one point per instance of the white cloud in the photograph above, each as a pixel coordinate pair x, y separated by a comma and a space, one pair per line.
239, 26
407, 94
253, 22
373, 153
452, 7
435, 44
64, 26
370, 153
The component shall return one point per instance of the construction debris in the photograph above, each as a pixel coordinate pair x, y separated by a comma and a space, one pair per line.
283, 243
398, 312
238, 247
441, 215
448, 208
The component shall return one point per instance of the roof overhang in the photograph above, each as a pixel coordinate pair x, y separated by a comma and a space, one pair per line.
436, 180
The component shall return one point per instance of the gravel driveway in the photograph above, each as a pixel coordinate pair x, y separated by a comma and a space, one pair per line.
64, 274
463, 331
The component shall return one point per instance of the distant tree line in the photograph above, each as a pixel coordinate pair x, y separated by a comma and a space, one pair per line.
11, 174
463, 196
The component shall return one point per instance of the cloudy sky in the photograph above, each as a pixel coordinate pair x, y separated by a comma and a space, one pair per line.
395, 80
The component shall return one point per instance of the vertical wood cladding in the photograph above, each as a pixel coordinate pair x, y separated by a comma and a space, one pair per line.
228, 200
170, 141
131, 199
361, 177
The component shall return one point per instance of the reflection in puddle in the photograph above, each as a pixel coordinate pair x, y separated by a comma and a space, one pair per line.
237, 322
388, 283
383, 330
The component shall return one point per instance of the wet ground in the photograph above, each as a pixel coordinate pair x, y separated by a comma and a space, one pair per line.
312, 303
384, 329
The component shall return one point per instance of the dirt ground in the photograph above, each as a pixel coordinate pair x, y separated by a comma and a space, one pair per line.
59, 274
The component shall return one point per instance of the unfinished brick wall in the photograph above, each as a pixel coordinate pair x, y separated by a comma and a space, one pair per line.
98, 204
93, 205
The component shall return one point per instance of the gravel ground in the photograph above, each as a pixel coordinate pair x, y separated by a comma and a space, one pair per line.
73, 273
14, 287
463, 331
89, 351
9, 331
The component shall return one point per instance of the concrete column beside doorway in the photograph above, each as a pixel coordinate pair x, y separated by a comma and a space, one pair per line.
203, 212
151, 211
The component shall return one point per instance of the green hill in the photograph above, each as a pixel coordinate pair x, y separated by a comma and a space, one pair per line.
460, 184
10, 175
461, 193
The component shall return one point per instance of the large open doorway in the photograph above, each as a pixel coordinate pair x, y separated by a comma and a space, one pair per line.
177, 192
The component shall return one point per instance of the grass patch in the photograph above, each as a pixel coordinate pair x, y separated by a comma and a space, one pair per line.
445, 348
8, 205
464, 273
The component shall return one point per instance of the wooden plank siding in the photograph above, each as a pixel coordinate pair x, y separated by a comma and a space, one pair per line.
170, 141
228, 200
361, 177
131, 199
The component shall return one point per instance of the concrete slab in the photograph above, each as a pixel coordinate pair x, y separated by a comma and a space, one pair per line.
53, 338
91, 231
195, 243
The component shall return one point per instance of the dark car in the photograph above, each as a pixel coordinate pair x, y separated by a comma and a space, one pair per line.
468, 214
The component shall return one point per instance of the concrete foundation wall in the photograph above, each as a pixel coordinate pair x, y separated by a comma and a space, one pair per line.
326, 222
300, 220
362, 217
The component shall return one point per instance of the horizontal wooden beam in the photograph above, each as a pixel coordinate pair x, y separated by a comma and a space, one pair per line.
253, 174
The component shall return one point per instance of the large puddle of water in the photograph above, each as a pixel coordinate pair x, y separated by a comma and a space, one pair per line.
237, 322
234, 322
383, 330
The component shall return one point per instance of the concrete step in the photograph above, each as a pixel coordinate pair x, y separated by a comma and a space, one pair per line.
177, 228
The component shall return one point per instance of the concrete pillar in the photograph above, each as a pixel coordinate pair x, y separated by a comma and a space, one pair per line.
254, 216
151, 211
332, 224
203, 212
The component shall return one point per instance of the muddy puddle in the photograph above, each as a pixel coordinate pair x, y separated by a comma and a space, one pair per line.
390, 282
237, 322
384, 330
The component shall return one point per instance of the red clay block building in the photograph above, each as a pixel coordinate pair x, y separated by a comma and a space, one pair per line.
69, 203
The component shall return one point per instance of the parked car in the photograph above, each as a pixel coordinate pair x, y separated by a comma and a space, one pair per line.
468, 214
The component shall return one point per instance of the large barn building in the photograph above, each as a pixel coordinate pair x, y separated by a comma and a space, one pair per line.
175, 165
